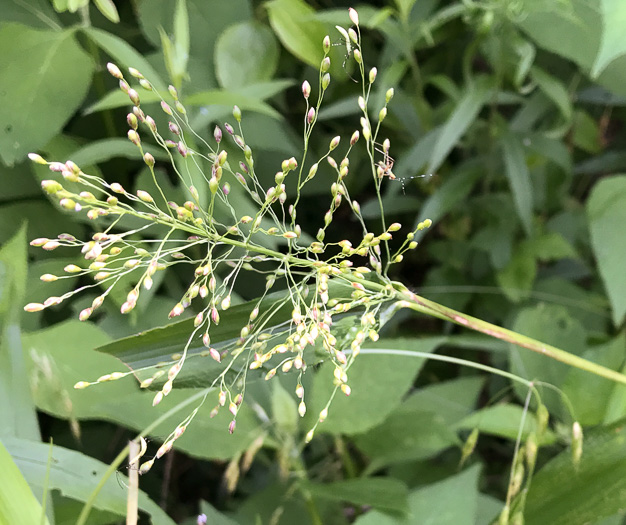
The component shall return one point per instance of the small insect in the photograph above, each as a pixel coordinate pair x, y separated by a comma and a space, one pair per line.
401, 180
385, 167
345, 42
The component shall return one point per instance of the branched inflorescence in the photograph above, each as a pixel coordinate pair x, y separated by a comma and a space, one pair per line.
321, 279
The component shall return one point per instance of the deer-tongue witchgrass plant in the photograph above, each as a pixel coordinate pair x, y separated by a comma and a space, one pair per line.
324, 282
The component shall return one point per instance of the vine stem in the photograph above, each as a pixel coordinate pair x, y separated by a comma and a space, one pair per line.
423, 305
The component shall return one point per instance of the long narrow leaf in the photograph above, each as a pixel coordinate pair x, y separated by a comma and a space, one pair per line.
75, 475
17, 502
462, 117
519, 179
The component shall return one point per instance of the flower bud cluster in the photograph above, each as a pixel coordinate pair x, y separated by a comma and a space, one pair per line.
335, 278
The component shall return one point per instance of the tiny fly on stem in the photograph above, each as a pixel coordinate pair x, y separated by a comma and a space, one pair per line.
384, 168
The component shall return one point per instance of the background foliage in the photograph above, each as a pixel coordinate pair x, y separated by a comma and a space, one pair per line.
515, 107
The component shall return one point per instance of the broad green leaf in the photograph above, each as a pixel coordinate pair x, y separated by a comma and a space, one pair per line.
37, 95
535, 108
589, 308
17, 502
517, 173
588, 33
260, 507
489, 508
386, 494
67, 511
17, 411
406, 434
265, 90
503, 420
206, 21
19, 183
526, 52
169, 57
405, 6
517, 277
245, 53
476, 341
496, 238
453, 501
215, 97
555, 150
117, 99
392, 205
35, 14
466, 111
553, 325
181, 37
445, 280
397, 36
612, 43
102, 150
453, 190
378, 383
606, 211
572, 31
67, 350
554, 90
564, 494
176, 48
450, 400
599, 96
268, 134
124, 55
616, 408
595, 399
416, 157
144, 352
284, 408
229, 99
31, 212
76, 476
608, 162
261, 91
548, 246
338, 109
215, 517
295, 25
586, 133
613, 76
